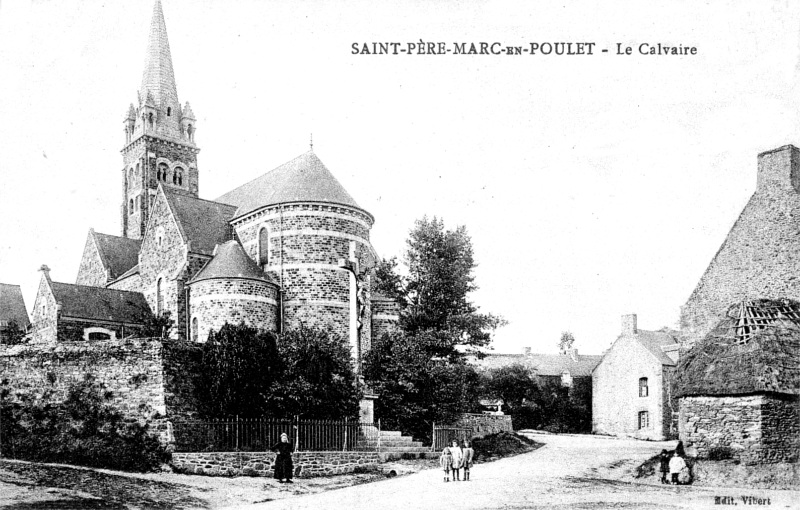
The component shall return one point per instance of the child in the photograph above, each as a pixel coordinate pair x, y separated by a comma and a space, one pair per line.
446, 461
458, 456
676, 464
469, 453
663, 460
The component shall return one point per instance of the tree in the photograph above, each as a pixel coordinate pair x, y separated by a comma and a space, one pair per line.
566, 341
519, 389
317, 378
157, 326
12, 334
240, 365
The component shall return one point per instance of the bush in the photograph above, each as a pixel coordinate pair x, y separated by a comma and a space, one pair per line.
720, 453
502, 444
83, 430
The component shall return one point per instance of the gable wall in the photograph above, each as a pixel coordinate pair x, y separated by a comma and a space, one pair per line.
615, 391
44, 316
91, 271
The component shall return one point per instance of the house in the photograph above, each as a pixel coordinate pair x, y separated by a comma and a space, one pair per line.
13, 314
739, 387
630, 385
565, 369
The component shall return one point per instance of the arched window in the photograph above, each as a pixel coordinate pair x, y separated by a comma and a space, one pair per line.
643, 390
194, 329
130, 177
137, 170
162, 172
190, 132
169, 111
130, 206
263, 247
150, 119
159, 296
177, 176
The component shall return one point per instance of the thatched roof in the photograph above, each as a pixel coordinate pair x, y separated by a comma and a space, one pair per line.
754, 349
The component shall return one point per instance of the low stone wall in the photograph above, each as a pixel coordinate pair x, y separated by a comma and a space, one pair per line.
485, 424
306, 464
755, 428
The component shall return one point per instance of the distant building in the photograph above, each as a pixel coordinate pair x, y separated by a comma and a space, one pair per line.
739, 387
565, 369
759, 257
12, 310
630, 385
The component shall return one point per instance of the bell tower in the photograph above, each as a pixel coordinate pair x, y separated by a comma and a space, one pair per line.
159, 136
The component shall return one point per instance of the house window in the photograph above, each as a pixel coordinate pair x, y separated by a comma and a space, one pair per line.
263, 247
643, 390
644, 420
194, 329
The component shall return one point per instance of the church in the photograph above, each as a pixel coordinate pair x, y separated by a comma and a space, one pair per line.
291, 247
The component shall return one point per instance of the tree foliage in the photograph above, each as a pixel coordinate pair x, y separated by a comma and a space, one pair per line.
566, 341
157, 326
253, 373
12, 334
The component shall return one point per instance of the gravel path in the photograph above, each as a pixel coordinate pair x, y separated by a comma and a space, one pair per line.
576, 472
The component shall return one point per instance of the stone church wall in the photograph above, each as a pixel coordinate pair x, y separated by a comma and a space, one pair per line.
215, 302
44, 314
91, 271
759, 258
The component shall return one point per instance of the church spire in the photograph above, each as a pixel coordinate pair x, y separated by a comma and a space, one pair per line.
158, 79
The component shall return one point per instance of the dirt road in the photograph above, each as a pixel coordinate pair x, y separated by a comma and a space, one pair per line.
568, 472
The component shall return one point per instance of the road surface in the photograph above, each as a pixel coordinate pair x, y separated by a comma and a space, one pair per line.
568, 472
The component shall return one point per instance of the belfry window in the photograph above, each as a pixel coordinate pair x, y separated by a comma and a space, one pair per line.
162, 172
177, 177
643, 389
263, 248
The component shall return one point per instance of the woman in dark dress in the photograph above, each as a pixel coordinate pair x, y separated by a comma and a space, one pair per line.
283, 461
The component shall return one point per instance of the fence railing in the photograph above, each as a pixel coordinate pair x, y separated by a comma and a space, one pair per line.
444, 435
250, 435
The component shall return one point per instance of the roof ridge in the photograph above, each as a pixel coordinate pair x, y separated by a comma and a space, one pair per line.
251, 181
96, 288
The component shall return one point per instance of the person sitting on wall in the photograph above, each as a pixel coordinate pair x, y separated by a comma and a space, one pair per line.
676, 465
283, 461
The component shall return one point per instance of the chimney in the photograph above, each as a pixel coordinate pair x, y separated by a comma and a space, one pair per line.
573, 353
629, 324
526, 351
779, 169
45, 271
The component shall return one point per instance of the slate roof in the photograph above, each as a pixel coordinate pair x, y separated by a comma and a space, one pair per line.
117, 253
158, 79
12, 306
85, 302
544, 364
755, 348
654, 340
230, 261
203, 222
303, 179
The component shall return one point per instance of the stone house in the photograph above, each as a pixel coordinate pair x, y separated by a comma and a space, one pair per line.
739, 387
566, 369
758, 258
12, 310
631, 384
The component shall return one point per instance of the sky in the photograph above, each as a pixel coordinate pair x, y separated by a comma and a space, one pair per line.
592, 186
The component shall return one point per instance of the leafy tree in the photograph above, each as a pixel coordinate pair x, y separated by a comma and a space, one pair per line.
415, 389
566, 341
157, 326
240, 364
317, 378
12, 334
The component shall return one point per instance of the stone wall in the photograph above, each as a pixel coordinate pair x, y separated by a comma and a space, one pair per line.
755, 428
215, 302
758, 257
149, 379
44, 315
484, 424
91, 271
306, 464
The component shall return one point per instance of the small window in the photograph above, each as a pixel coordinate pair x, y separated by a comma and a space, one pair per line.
644, 420
97, 335
130, 206
263, 248
643, 389
169, 111
159, 295
194, 329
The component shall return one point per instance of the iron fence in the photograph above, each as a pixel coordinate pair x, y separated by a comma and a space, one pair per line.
261, 434
444, 435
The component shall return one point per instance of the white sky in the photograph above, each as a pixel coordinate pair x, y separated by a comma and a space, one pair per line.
591, 186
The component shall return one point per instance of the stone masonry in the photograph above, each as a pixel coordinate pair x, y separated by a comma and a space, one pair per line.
306, 464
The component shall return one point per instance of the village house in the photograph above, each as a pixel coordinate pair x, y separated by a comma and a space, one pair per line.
567, 369
631, 384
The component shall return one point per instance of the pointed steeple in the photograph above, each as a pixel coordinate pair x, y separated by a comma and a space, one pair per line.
158, 79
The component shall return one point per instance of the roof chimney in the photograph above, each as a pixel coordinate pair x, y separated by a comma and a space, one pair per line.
45, 271
779, 169
629, 324
573, 353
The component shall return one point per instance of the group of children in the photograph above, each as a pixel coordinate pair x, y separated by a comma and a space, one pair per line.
454, 458
675, 465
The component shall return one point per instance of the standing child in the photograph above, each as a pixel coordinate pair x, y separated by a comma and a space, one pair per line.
469, 453
676, 464
663, 461
458, 457
446, 461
